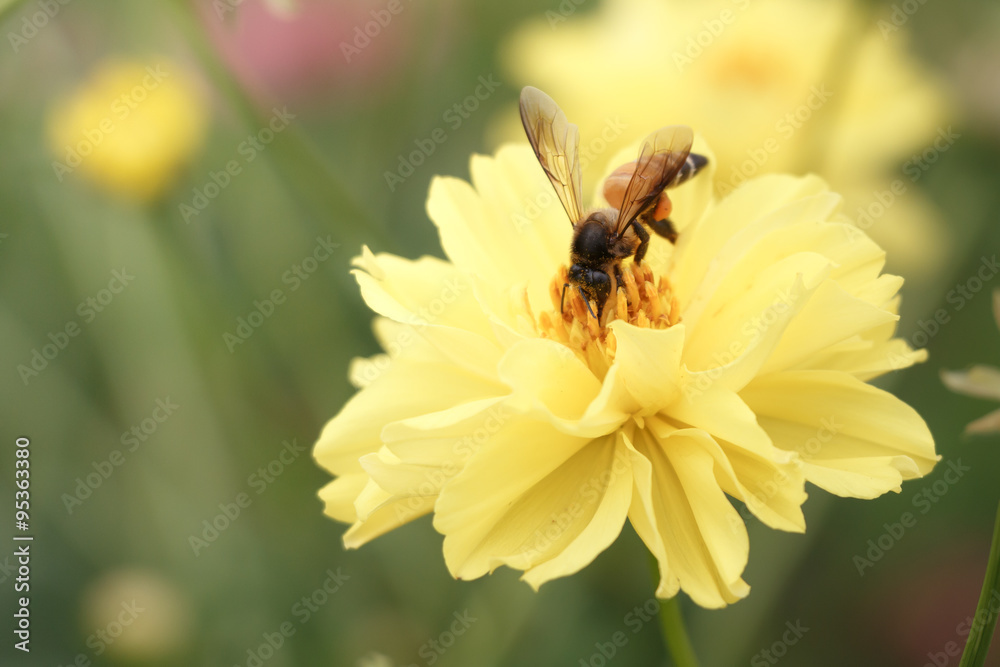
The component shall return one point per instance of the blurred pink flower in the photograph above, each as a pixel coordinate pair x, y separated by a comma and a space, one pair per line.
315, 50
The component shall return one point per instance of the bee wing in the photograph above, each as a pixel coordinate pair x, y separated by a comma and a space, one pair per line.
556, 142
661, 159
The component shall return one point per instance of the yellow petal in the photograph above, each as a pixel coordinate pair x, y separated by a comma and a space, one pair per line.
738, 337
421, 455
423, 292
829, 316
484, 511
868, 358
340, 494
448, 437
464, 349
551, 384
697, 252
705, 542
546, 374
767, 479
388, 515
594, 528
406, 388
641, 515
485, 229
867, 439
861, 477
649, 364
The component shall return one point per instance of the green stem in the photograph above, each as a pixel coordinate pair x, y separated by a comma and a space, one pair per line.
985, 619
675, 634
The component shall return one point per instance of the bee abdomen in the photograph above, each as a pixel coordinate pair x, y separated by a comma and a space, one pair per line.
692, 166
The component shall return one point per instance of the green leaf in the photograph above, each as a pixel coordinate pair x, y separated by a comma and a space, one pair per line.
985, 620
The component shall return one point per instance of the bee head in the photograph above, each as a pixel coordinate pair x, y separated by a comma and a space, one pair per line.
594, 283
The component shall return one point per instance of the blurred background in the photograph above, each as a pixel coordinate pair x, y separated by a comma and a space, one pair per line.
183, 185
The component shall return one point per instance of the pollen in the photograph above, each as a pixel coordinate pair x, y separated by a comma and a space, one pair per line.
641, 299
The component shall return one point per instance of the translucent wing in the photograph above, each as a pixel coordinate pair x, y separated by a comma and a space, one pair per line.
555, 141
662, 157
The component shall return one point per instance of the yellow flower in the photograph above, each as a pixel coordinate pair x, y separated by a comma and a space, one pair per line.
129, 127
981, 382
154, 612
733, 366
775, 86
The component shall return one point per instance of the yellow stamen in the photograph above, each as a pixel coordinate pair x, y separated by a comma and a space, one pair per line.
642, 299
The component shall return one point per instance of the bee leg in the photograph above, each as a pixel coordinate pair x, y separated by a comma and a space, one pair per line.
664, 228
643, 235
619, 280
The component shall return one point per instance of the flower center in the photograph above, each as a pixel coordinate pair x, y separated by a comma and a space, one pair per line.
641, 300
754, 66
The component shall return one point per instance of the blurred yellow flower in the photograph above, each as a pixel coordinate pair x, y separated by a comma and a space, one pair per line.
981, 382
129, 127
135, 615
734, 365
774, 86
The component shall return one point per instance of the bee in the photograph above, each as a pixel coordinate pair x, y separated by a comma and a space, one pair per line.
603, 238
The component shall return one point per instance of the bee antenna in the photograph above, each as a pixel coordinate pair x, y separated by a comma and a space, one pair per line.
562, 299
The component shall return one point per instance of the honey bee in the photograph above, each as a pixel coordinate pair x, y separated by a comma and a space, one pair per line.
603, 238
